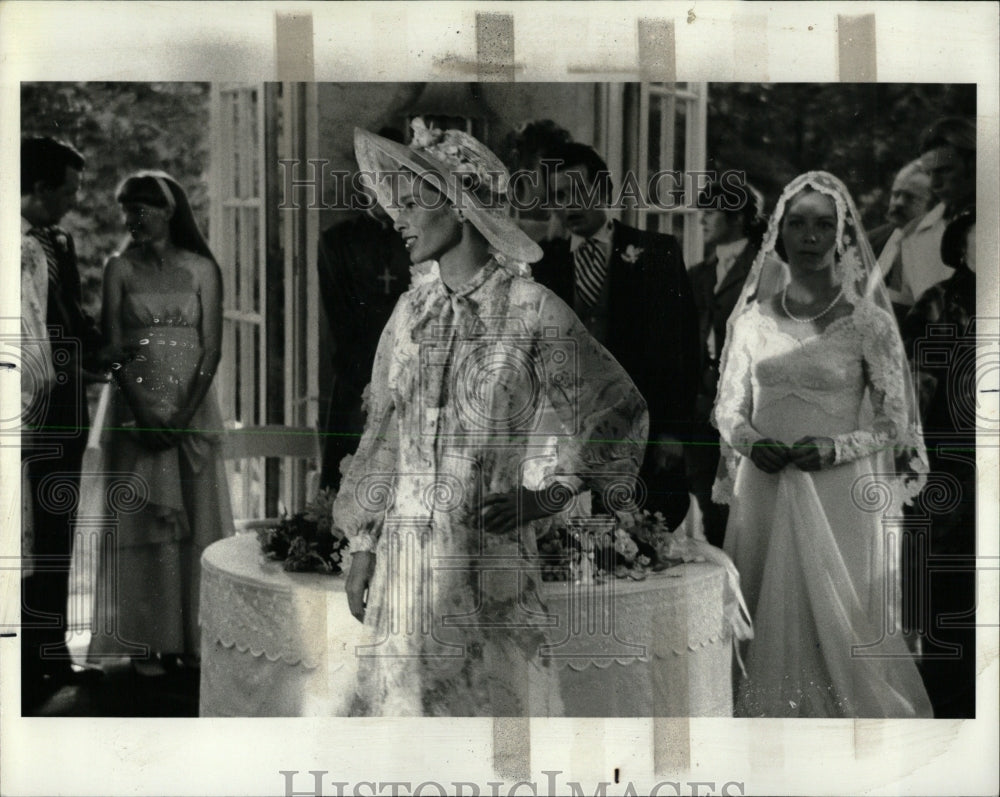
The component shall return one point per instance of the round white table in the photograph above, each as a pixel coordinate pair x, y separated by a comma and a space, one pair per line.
278, 644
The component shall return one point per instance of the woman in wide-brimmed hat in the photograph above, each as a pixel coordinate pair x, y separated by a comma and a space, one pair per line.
436, 501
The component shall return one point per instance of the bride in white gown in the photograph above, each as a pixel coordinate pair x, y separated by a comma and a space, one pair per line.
822, 446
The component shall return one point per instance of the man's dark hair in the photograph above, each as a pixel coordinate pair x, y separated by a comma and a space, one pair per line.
953, 241
391, 133
572, 155
533, 141
951, 131
45, 159
737, 199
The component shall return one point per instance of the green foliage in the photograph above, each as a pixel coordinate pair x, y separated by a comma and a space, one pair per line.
861, 132
120, 128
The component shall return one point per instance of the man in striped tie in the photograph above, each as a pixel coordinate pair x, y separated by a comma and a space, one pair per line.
631, 290
55, 425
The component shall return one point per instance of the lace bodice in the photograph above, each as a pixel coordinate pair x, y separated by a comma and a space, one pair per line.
824, 370
846, 382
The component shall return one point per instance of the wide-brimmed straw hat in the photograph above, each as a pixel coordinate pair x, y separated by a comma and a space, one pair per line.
460, 167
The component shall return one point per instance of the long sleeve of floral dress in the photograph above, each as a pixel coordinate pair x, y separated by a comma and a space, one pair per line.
462, 377
359, 508
602, 411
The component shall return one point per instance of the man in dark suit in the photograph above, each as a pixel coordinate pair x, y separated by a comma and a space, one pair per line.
363, 270
630, 289
54, 438
732, 235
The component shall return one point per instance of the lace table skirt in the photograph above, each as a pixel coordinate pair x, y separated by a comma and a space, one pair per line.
276, 644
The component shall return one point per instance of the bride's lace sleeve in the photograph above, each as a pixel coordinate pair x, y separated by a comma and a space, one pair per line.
887, 383
734, 405
367, 485
596, 400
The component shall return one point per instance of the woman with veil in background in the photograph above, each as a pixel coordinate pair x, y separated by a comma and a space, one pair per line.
821, 440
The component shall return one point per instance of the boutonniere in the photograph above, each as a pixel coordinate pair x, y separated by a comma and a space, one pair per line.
632, 253
60, 240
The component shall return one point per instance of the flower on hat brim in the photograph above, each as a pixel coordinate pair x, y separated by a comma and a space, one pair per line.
487, 210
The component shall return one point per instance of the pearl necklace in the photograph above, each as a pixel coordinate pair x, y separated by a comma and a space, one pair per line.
820, 314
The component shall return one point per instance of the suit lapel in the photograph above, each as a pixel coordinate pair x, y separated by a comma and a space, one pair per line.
565, 271
618, 282
556, 270
703, 279
58, 284
628, 296
737, 272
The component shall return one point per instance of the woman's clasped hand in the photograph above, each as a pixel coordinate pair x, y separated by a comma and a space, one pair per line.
505, 512
808, 453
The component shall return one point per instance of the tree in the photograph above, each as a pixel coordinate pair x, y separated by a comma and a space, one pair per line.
120, 128
861, 132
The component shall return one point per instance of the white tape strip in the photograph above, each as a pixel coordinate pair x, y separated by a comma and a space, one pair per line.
293, 46
856, 56
657, 50
495, 47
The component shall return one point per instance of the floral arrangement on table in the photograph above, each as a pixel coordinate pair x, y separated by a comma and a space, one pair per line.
307, 541
585, 550
591, 550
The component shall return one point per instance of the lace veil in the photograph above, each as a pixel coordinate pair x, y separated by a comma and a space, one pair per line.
904, 465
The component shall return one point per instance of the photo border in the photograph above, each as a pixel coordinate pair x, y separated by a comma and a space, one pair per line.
717, 42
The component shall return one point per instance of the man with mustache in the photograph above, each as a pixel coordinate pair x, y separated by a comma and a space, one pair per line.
909, 198
948, 154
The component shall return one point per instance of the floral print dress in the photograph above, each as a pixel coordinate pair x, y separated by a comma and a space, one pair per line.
460, 384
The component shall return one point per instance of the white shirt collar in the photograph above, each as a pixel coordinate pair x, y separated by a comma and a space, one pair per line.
602, 236
730, 251
932, 217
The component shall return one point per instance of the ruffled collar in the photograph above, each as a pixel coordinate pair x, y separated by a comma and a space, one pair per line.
438, 305
471, 285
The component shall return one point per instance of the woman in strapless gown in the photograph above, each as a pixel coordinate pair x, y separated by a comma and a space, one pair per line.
162, 302
816, 412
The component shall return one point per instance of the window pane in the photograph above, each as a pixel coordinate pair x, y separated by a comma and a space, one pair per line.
237, 382
254, 143
237, 260
233, 143
258, 354
253, 254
